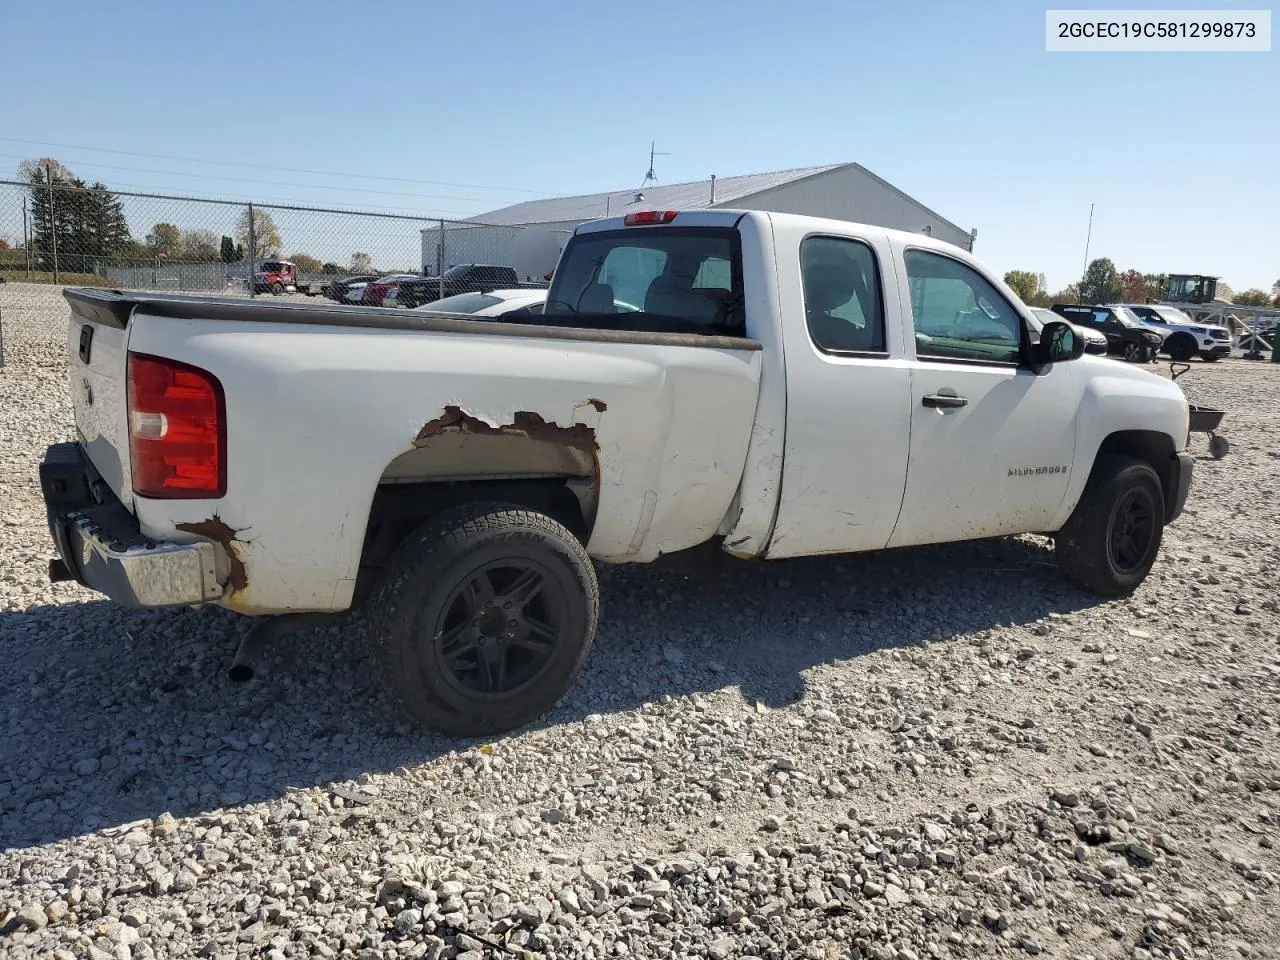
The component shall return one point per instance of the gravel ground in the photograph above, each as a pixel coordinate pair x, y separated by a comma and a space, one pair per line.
939, 752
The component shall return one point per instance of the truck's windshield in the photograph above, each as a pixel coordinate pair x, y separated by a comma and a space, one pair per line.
655, 278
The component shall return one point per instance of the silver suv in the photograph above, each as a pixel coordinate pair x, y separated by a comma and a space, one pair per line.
1184, 338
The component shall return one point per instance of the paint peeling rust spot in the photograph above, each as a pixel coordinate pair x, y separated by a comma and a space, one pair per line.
216, 529
600, 405
524, 424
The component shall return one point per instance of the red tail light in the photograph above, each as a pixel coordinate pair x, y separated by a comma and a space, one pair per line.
177, 430
643, 217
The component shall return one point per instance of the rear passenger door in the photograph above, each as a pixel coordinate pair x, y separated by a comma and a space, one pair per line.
848, 395
992, 442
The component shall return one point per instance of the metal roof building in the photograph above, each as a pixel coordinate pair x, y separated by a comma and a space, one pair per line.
529, 234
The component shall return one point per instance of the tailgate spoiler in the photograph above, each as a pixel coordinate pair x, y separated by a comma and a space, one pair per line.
108, 308
114, 308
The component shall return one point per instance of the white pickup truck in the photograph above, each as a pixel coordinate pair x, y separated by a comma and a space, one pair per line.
791, 386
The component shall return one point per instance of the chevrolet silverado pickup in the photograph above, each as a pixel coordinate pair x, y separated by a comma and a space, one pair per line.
790, 386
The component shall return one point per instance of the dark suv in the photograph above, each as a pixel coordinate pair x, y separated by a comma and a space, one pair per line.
1127, 336
463, 278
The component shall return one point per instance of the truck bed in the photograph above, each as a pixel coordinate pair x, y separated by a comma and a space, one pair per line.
327, 404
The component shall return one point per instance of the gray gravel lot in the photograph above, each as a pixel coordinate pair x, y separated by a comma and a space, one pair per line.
940, 752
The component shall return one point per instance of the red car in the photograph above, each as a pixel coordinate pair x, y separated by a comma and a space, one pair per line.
377, 291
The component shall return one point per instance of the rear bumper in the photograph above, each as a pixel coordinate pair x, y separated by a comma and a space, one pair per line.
100, 546
1179, 486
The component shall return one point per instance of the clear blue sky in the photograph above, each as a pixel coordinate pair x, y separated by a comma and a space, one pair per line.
958, 104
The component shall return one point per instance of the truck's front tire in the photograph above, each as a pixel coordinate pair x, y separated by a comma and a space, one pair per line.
484, 618
1111, 541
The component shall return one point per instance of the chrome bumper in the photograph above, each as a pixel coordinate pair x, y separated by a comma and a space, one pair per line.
162, 575
100, 546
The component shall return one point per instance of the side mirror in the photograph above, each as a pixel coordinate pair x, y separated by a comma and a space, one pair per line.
1059, 343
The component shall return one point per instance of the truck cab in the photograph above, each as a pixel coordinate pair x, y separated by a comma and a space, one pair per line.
275, 277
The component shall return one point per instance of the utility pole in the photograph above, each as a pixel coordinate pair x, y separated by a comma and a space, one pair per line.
26, 239
252, 250
53, 220
1087, 238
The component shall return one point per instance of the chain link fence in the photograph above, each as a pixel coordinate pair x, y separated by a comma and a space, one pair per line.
54, 234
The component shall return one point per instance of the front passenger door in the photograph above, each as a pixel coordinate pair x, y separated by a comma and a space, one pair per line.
992, 442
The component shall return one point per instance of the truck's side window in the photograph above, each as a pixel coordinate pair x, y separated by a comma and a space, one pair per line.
842, 300
958, 315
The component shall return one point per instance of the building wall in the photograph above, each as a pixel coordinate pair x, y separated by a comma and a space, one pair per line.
849, 193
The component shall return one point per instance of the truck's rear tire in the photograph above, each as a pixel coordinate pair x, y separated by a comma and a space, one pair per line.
1113, 536
483, 618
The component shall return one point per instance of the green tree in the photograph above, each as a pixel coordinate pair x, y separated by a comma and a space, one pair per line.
306, 263
1100, 283
361, 263
199, 246
164, 238
86, 224
331, 268
1251, 298
266, 235
1068, 294
228, 251
1027, 285
97, 226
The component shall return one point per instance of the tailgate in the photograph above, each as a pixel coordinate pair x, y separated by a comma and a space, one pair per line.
97, 338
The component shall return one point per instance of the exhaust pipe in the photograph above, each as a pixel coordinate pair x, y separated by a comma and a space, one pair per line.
266, 631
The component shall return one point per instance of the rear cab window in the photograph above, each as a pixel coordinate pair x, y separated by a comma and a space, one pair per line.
843, 308
651, 278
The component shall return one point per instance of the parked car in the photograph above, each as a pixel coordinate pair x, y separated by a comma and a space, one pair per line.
382, 292
457, 478
463, 278
1094, 341
1127, 336
504, 303
348, 289
1183, 337
495, 303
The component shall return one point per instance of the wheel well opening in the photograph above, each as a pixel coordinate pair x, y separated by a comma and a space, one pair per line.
1154, 448
399, 508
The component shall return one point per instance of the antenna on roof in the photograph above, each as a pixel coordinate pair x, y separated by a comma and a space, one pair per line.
651, 175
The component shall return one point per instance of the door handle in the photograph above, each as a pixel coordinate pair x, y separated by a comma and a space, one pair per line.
943, 400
